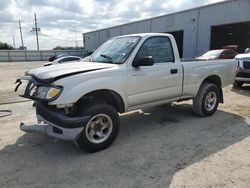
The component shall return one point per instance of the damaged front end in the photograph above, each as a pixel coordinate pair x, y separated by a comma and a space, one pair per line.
56, 121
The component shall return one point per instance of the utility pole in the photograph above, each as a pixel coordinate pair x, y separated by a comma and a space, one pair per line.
36, 29
21, 34
76, 37
14, 43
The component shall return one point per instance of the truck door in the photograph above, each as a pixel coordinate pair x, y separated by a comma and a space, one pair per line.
162, 80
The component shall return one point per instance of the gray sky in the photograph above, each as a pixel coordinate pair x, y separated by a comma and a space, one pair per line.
62, 22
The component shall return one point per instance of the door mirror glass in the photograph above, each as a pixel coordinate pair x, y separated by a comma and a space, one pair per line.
143, 61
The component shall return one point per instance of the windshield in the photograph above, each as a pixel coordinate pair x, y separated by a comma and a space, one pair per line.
214, 53
115, 50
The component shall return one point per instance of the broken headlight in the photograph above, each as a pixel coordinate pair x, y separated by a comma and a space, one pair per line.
48, 93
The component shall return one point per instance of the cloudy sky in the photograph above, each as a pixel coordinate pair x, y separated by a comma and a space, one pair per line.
63, 22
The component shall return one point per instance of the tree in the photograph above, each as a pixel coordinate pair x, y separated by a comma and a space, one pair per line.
5, 46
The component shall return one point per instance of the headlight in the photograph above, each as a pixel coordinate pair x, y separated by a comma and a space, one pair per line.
48, 93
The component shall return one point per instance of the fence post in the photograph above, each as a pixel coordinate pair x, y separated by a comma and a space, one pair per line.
8, 55
41, 55
25, 53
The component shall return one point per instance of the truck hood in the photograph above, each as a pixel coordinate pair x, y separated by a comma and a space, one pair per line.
52, 73
243, 56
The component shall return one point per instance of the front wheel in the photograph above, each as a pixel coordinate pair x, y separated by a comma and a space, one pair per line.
102, 128
207, 100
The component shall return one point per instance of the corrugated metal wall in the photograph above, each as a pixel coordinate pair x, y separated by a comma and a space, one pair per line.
230, 12
195, 23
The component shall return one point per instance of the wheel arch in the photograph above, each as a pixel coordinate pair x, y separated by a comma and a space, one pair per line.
216, 80
105, 95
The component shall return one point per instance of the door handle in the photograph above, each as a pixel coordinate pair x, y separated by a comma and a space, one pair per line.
173, 71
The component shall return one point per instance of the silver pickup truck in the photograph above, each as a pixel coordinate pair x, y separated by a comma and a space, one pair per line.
82, 101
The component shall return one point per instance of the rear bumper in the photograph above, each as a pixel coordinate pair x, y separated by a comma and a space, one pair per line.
55, 123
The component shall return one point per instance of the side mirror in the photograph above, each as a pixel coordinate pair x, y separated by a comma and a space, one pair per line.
144, 61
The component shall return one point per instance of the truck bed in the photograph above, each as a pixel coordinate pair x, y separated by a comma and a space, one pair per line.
194, 71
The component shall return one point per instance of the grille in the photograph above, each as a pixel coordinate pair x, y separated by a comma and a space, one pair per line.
243, 75
246, 64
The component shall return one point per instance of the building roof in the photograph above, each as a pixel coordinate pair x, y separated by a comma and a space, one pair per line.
174, 13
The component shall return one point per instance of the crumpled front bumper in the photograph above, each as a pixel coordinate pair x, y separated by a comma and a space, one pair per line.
51, 121
52, 130
55, 123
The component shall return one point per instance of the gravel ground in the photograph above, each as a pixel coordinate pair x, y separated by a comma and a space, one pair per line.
165, 146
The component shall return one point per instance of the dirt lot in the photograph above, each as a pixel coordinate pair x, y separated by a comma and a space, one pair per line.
165, 146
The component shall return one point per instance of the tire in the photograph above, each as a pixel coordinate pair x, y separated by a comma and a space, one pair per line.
237, 84
95, 136
202, 105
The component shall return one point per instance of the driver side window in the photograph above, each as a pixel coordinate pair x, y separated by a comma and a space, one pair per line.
159, 48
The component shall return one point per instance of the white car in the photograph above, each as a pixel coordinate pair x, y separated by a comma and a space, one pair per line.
64, 59
82, 102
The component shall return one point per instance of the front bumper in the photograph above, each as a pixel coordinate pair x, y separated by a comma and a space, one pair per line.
55, 123
51, 121
243, 75
52, 130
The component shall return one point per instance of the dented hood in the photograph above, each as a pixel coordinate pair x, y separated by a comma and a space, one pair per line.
49, 74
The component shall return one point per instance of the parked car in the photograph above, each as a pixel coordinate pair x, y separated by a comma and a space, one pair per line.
243, 69
81, 102
218, 54
54, 57
64, 59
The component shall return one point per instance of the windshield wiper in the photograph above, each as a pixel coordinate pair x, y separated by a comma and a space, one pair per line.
107, 57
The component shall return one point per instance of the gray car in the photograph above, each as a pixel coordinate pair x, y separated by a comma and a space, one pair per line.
64, 59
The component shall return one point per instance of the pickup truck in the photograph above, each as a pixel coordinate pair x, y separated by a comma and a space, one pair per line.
81, 102
243, 69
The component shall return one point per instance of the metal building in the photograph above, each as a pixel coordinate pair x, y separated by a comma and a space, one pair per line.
196, 30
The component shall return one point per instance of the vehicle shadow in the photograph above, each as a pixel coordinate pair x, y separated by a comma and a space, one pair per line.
244, 90
152, 146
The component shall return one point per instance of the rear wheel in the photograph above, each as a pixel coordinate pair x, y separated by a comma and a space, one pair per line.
207, 100
237, 84
102, 128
